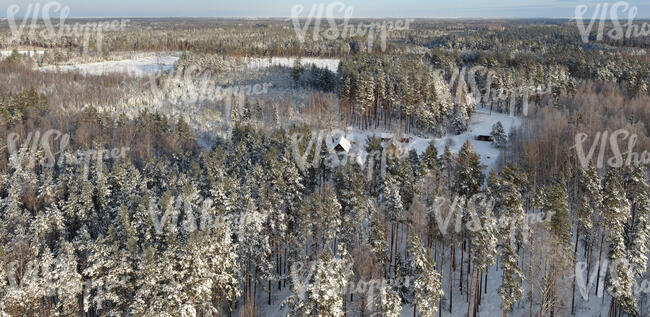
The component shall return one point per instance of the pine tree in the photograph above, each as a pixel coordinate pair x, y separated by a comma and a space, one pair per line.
589, 203
508, 203
391, 303
449, 167
67, 279
428, 282
483, 231
297, 71
509, 206
377, 238
430, 162
469, 177
616, 211
641, 233
393, 199
325, 294
499, 135
253, 241
511, 290
557, 205
354, 204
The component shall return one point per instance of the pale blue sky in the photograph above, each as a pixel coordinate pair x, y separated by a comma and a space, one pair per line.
361, 8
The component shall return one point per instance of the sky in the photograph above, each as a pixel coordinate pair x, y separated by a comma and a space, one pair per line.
360, 8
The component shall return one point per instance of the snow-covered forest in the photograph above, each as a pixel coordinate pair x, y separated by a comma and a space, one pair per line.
222, 167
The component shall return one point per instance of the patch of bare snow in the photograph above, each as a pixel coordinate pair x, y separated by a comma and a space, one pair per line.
331, 64
24, 52
137, 66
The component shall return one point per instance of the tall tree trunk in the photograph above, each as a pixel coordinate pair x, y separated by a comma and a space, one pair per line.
575, 256
600, 257
462, 260
469, 302
396, 246
477, 292
451, 277
469, 260
392, 241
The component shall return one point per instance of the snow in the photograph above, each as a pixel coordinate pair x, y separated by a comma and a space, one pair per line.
140, 65
136, 66
343, 142
480, 124
7, 53
252, 63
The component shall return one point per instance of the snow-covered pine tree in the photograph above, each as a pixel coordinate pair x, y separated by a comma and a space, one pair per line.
499, 135
390, 302
589, 204
483, 234
509, 206
377, 237
67, 280
469, 177
429, 161
393, 202
511, 290
350, 187
449, 165
253, 241
616, 212
640, 192
427, 286
326, 291
557, 205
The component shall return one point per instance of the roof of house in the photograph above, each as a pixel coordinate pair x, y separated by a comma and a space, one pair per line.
343, 142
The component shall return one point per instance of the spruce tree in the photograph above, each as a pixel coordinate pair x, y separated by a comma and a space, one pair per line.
499, 135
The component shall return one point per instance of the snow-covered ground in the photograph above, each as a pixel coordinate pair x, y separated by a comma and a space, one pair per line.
137, 66
481, 124
142, 64
25, 52
256, 63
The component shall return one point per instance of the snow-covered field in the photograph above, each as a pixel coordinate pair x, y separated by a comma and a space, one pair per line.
137, 66
256, 63
142, 64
